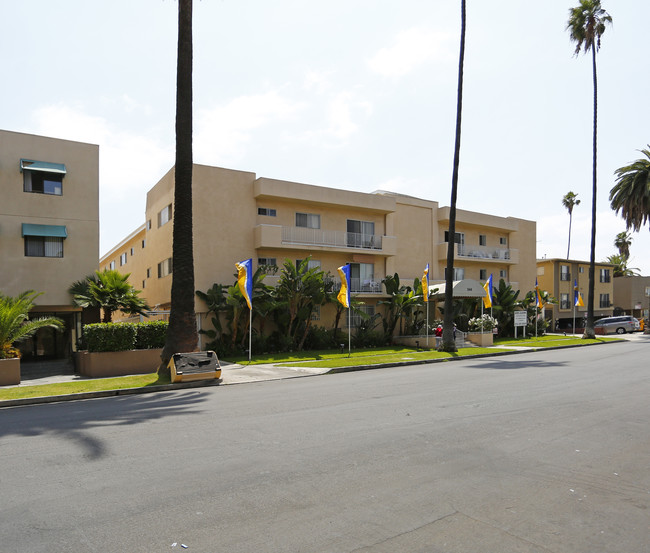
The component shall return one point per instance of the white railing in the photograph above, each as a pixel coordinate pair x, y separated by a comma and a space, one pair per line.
333, 238
483, 252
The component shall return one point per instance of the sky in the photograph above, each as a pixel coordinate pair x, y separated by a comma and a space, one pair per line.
351, 94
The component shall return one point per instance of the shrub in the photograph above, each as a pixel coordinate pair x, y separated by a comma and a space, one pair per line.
318, 338
478, 324
151, 334
110, 336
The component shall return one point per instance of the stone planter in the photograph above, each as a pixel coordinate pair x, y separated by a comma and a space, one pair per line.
118, 363
9, 372
481, 339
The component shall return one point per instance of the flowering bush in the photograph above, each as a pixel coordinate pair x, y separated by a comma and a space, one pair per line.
477, 324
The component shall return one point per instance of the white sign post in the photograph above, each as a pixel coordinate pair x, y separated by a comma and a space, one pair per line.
521, 318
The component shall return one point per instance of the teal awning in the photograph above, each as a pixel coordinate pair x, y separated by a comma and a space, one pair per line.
51, 231
42, 166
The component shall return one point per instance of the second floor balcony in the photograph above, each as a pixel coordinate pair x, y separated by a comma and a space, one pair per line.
275, 236
471, 252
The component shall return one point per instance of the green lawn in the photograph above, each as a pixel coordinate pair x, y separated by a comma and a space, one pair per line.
548, 341
91, 385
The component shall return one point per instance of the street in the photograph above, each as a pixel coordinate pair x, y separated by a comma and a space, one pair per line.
534, 452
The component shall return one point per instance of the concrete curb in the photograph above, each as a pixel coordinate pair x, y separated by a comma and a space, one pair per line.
219, 382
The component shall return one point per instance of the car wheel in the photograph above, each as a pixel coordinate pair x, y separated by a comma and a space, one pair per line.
620, 331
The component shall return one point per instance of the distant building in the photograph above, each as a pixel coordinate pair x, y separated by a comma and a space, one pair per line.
632, 295
49, 229
239, 216
557, 276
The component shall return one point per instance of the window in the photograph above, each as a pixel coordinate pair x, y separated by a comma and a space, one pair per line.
581, 269
165, 215
604, 276
315, 314
123, 259
44, 240
111, 265
43, 246
503, 241
311, 264
267, 261
42, 177
148, 224
361, 234
132, 251
165, 268
483, 274
356, 319
503, 274
362, 277
564, 301
564, 273
144, 243
149, 272
266, 211
604, 300
307, 220
459, 273
460, 237
144, 284
482, 240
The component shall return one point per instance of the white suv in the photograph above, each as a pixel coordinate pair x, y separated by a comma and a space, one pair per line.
620, 325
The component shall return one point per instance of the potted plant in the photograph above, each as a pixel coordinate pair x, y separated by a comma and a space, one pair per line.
15, 326
480, 330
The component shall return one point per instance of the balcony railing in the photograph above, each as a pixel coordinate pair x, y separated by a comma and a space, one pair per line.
483, 252
332, 238
361, 286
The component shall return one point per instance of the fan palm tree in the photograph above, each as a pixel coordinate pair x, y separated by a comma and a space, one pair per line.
182, 335
586, 25
623, 241
631, 193
110, 291
448, 342
569, 201
620, 266
15, 325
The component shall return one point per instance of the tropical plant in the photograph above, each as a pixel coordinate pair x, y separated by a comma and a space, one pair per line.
529, 303
620, 266
448, 341
399, 305
631, 193
15, 324
183, 334
586, 25
110, 291
623, 241
569, 201
504, 302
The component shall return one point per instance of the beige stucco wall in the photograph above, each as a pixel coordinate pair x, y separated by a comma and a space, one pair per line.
77, 209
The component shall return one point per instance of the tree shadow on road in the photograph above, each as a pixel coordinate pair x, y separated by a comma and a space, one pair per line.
76, 421
502, 364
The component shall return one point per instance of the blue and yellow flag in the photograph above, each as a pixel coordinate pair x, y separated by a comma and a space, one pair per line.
538, 298
425, 283
245, 280
487, 299
577, 296
344, 293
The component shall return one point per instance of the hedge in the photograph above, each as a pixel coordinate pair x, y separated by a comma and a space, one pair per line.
124, 336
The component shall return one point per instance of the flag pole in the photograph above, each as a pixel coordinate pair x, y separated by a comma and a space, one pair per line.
427, 323
250, 333
349, 331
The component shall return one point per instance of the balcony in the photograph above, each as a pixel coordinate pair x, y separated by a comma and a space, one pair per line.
275, 236
357, 286
481, 254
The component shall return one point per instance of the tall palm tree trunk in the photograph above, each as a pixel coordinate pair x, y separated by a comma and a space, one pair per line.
182, 334
448, 342
568, 248
589, 328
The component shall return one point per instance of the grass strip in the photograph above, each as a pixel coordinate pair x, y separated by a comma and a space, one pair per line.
80, 386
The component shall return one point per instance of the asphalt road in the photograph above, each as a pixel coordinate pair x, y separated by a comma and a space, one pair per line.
535, 452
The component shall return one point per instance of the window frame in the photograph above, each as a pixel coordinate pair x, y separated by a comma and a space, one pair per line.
164, 215
310, 220
37, 246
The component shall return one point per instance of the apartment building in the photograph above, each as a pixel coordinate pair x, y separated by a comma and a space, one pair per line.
49, 229
632, 296
557, 276
239, 216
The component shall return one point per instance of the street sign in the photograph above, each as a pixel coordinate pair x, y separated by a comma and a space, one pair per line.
521, 318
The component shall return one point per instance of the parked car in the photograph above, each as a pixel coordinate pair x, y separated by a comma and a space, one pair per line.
618, 325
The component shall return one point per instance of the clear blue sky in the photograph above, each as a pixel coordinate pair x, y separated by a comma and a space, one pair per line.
353, 94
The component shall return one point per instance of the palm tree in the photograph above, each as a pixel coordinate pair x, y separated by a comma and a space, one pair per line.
631, 193
623, 241
586, 25
620, 266
15, 325
448, 342
570, 200
182, 335
110, 291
